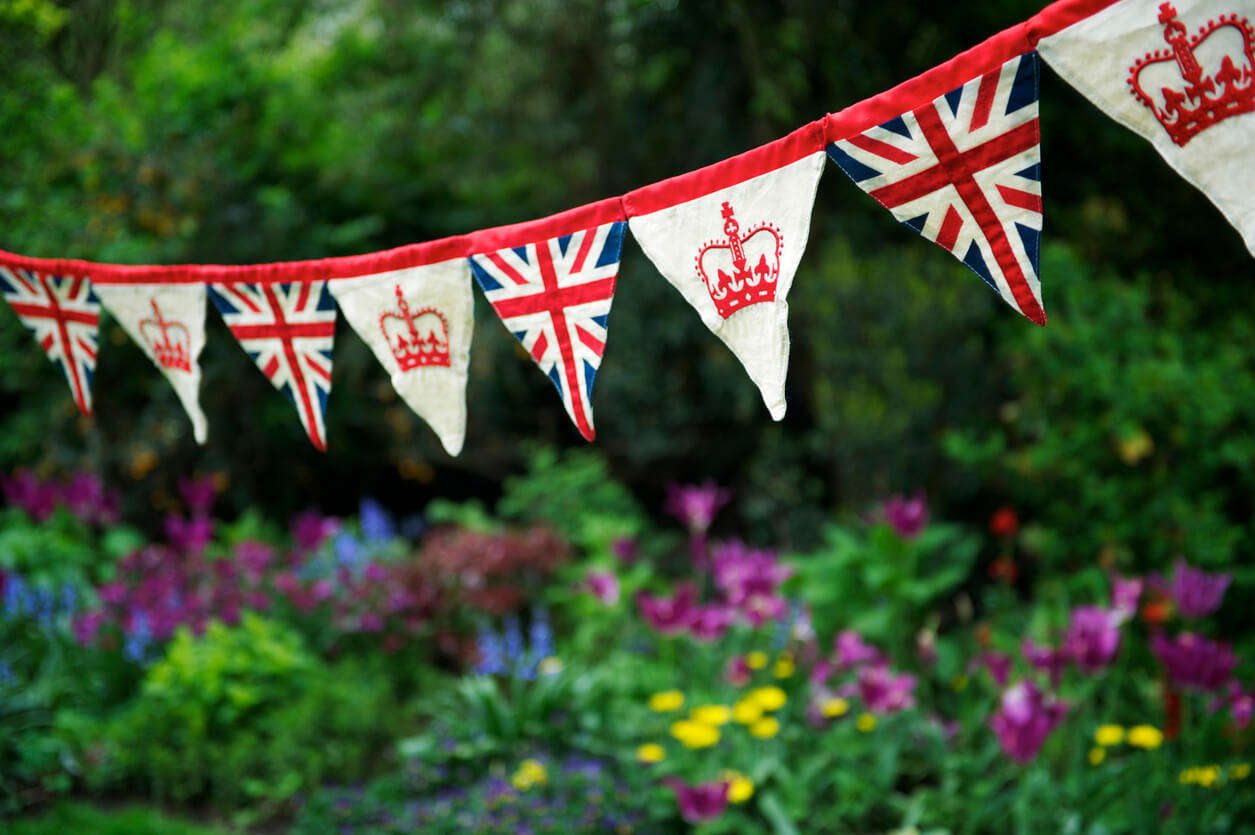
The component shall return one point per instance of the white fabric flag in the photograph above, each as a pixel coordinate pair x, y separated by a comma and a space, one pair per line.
167, 322
732, 254
418, 323
1183, 76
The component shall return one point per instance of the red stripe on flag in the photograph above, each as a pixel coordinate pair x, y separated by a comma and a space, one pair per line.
30, 288
986, 218
303, 298
271, 367
881, 149
985, 98
585, 245
47, 342
557, 313
509, 271
87, 348
559, 298
949, 229
67, 349
1020, 199
539, 346
309, 417
285, 330
40, 311
242, 297
317, 369
594, 344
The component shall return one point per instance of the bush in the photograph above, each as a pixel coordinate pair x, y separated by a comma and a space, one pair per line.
244, 716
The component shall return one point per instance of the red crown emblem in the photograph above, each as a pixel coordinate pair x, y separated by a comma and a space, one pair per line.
1217, 65
168, 339
416, 339
741, 270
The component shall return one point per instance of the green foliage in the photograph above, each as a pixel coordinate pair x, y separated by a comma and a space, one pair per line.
871, 579
81, 817
60, 549
244, 715
1129, 426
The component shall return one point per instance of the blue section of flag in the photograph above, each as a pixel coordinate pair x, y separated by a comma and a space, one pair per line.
976, 262
953, 98
1024, 88
897, 125
854, 169
614, 245
485, 281
1031, 238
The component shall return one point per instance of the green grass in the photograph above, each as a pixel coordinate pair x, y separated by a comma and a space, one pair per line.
84, 818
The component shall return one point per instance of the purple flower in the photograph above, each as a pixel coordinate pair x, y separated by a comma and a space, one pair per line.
85, 497
1093, 637
1046, 657
702, 802
310, 528
709, 623
377, 524
998, 664
883, 692
907, 517
668, 615
1194, 661
198, 494
38, 499
1195, 592
737, 672
604, 586
86, 626
1125, 593
625, 549
696, 504
852, 650
255, 557
1241, 704
750, 581
1024, 719
189, 535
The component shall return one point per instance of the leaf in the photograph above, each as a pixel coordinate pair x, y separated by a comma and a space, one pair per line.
775, 814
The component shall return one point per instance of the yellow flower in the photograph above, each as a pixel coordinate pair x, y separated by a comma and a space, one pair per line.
740, 787
695, 734
784, 668
1239, 771
1109, 735
865, 722
833, 708
711, 714
769, 698
1187, 776
1097, 755
1208, 775
530, 773
766, 727
1144, 736
756, 660
666, 701
959, 683
551, 666
747, 711
651, 752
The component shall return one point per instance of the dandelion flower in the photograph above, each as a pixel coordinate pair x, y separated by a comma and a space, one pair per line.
1109, 735
695, 734
1097, 755
1239, 771
651, 752
833, 708
865, 722
1144, 736
766, 727
756, 660
666, 701
747, 711
711, 714
530, 773
769, 698
784, 668
740, 787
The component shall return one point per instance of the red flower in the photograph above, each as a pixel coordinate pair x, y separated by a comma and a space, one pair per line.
1004, 523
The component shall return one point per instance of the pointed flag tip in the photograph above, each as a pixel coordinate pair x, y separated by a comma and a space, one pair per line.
1036, 316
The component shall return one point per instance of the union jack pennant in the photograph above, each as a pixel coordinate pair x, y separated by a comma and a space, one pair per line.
964, 171
555, 296
63, 313
288, 330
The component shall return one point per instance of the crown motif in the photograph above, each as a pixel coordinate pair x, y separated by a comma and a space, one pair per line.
416, 339
1217, 65
752, 262
168, 339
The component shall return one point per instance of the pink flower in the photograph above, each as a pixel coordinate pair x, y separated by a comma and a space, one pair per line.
375, 572
1195, 592
1194, 661
906, 516
1024, 719
372, 622
112, 593
998, 664
625, 549
821, 672
604, 586
255, 557
199, 494
1125, 594
311, 528
883, 692
709, 623
702, 802
189, 535
38, 499
86, 626
737, 672
668, 615
750, 580
852, 650
1046, 657
1093, 637
696, 505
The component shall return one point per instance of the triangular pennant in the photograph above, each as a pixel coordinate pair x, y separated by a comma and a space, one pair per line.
554, 296
964, 171
167, 322
732, 253
288, 329
1181, 75
418, 323
64, 315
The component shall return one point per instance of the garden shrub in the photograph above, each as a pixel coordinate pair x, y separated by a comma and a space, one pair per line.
244, 715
